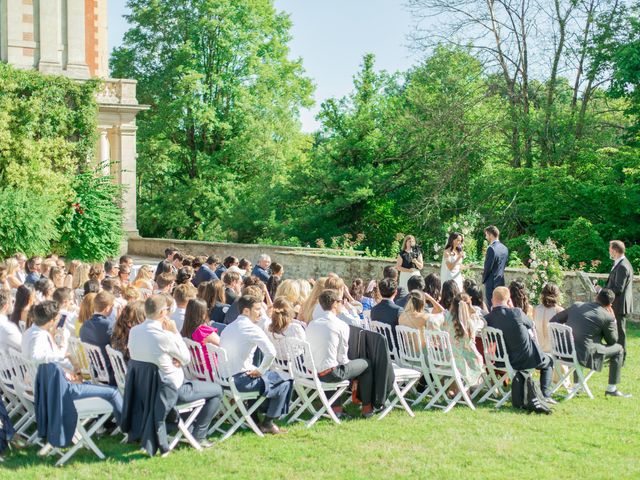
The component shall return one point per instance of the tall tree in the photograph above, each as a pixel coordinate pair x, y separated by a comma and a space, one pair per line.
224, 100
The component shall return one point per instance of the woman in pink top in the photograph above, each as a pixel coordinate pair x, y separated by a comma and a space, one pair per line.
196, 327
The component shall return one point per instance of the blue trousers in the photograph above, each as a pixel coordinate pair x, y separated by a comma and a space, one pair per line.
211, 393
110, 394
272, 385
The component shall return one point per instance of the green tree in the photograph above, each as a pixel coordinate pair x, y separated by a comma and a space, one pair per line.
223, 122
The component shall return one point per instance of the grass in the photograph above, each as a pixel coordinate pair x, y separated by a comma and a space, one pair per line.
582, 439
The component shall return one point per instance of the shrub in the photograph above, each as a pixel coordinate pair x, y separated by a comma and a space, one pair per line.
27, 222
545, 259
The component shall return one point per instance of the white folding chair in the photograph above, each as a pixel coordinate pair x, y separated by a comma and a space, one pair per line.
308, 384
386, 331
404, 377
564, 353
119, 367
12, 393
233, 401
78, 357
445, 372
196, 369
97, 364
499, 368
23, 375
412, 355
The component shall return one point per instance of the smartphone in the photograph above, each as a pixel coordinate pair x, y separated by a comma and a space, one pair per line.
63, 318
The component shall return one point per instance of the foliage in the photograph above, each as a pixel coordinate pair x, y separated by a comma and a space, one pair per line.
545, 259
27, 222
223, 124
91, 225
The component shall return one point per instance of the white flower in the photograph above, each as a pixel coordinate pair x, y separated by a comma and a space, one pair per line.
533, 255
435, 257
466, 223
436, 247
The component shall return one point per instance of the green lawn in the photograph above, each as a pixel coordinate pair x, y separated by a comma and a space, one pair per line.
583, 439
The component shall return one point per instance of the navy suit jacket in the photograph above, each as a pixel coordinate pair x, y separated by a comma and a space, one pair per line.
494, 264
97, 331
387, 312
523, 352
204, 274
261, 273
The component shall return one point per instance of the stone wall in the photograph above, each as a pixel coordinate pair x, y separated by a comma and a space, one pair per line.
312, 262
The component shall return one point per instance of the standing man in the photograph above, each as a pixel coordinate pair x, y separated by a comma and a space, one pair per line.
620, 281
494, 262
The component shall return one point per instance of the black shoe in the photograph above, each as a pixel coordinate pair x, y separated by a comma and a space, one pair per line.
617, 393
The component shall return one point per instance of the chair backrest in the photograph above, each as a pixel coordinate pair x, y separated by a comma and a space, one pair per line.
78, 357
495, 350
97, 363
410, 352
386, 331
562, 345
301, 365
119, 367
24, 375
218, 361
6, 373
281, 361
197, 367
439, 352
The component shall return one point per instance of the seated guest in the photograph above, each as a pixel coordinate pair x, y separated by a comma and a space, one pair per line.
206, 272
391, 272
124, 273
433, 287
518, 292
282, 327
132, 314
177, 261
25, 298
184, 275
68, 310
33, 268
158, 341
414, 315
592, 322
415, 282
543, 313
245, 267
182, 294
85, 312
240, 340
165, 283
98, 329
22, 262
112, 285
477, 298
10, 335
234, 309
449, 291
56, 275
349, 313
111, 269
196, 326
261, 270
144, 278
91, 286
277, 271
13, 273
386, 311
214, 295
227, 263
44, 289
38, 345
233, 286
462, 324
309, 305
168, 253
523, 352
328, 337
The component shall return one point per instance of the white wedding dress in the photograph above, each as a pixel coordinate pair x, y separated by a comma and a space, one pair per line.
455, 274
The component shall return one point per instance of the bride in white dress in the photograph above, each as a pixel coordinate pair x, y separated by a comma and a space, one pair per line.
452, 259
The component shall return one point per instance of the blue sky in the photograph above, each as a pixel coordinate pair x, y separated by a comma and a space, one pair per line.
331, 36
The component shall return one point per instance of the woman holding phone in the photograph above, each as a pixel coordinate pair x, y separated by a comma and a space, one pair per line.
452, 259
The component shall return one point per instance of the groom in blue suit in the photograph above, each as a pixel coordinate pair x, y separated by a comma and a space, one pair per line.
494, 263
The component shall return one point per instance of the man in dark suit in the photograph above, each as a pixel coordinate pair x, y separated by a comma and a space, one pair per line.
523, 352
591, 322
620, 281
98, 329
386, 311
415, 282
494, 262
392, 273
206, 272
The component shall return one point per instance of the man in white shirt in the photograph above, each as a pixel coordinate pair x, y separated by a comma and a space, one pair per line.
39, 346
10, 335
328, 337
158, 341
240, 340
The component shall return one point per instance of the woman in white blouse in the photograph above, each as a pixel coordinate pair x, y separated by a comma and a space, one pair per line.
452, 259
282, 327
549, 299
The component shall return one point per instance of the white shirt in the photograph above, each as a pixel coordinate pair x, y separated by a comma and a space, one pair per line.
70, 322
39, 347
329, 340
149, 342
10, 335
294, 330
240, 339
178, 317
21, 275
347, 315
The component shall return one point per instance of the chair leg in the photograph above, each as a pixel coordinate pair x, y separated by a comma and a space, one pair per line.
327, 404
399, 397
183, 430
85, 439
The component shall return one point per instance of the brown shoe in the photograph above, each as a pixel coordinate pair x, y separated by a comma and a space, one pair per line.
272, 429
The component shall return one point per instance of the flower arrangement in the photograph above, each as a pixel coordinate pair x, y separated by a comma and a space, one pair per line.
546, 262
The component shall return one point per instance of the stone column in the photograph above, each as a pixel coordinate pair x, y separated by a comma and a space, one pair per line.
76, 58
11, 31
49, 36
105, 152
127, 176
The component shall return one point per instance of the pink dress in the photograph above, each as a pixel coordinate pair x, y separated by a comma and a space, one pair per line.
199, 335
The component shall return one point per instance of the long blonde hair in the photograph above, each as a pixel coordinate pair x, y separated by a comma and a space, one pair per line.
306, 311
80, 275
305, 289
281, 316
86, 309
289, 290
12, 266
144, 274
406, 239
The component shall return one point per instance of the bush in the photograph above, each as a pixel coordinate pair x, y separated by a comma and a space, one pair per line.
545, 259
582, 242
91, 226
27, 222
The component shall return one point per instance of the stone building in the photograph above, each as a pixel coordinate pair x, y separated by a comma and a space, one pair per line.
69, 37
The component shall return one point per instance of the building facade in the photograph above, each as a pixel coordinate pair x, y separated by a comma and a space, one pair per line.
69, 37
